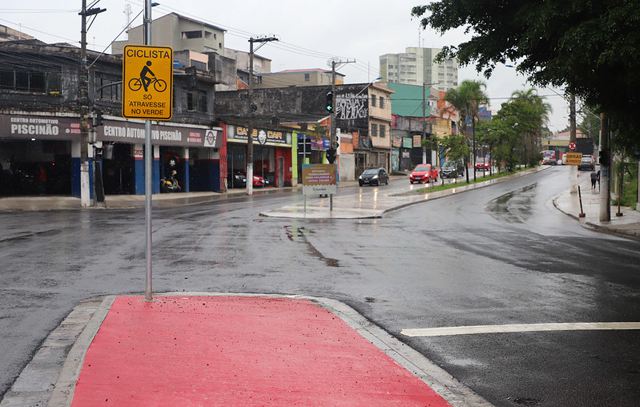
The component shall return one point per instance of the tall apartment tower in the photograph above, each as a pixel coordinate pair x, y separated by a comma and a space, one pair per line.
417, 66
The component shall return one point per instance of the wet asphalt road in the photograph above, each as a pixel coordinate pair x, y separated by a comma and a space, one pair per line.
496, 255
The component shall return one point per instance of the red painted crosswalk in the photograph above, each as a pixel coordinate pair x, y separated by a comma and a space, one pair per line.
238, 351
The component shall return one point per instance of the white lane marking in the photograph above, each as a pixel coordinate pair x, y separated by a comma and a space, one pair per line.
491, 329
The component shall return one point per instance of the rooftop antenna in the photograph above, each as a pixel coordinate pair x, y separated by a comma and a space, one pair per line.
127, 11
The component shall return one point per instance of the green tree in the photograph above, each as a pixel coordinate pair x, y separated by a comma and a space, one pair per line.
590, 47
467, 99
455, 148
514, 134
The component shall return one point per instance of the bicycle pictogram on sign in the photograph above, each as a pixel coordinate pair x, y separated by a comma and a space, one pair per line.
135, 84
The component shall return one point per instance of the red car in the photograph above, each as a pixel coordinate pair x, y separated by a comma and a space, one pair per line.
259, 181
483, 166
424, 173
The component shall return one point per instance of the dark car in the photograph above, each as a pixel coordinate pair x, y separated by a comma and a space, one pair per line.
373, 176
586, 164
452, 171
237, 180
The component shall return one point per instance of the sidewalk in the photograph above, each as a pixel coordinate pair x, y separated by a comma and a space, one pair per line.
194, 349
49, 203
627, 225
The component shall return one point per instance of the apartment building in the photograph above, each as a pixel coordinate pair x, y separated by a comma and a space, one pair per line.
417, 66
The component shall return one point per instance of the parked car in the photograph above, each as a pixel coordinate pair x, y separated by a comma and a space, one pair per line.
423, 173
260, 181
373, 176
452, 170
239, 180
586, 164
483, 166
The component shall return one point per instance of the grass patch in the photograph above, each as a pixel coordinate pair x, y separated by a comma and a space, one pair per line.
630, 186
440, 187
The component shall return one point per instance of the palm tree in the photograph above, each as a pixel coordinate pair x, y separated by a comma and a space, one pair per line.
467, 99
536, 116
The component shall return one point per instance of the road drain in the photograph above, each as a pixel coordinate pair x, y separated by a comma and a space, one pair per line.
298, 235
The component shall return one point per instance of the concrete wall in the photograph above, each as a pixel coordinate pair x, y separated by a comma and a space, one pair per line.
298, 78
167, 31
260, 64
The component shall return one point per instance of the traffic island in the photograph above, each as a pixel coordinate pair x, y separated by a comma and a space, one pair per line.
227, 350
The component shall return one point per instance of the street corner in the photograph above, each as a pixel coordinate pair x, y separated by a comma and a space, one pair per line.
239, 350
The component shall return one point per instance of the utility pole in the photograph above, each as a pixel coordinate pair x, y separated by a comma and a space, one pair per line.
424, 123
605, 167
572, 118
83, 99
333, 141
252, 108
572, 139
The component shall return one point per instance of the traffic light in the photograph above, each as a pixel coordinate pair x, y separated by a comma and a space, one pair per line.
97, 119
329, 102
331, 155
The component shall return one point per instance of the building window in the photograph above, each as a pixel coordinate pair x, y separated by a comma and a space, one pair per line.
381, 102
107, 89
22, 80
187, 35
6, 79
191, 106
201, 66
36, 82
219, 45
373, 100
197, 101
307, 77
383, 130
202, 101
374, 130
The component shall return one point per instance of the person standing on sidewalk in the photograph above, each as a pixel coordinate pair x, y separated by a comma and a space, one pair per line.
594, 178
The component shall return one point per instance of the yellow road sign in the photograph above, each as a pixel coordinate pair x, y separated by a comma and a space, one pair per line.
573, 158
147, 82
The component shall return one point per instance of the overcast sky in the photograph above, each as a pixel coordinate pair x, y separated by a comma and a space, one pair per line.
310, 32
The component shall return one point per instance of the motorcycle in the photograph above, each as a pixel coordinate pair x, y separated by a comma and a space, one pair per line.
170, 184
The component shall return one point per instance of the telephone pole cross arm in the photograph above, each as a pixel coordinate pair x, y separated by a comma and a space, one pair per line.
262, 41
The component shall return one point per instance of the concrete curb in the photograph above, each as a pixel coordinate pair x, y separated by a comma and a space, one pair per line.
55, 386
594, 227
62, 394
65, 346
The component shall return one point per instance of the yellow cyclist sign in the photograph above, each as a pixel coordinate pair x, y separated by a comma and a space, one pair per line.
147, 82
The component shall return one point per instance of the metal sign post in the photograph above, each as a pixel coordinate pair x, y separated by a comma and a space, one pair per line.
148, 172
147, 93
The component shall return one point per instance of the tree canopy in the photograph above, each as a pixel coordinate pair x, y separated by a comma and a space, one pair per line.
591, 47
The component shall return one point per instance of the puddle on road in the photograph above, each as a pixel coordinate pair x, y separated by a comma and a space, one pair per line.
299, 234
515, 206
